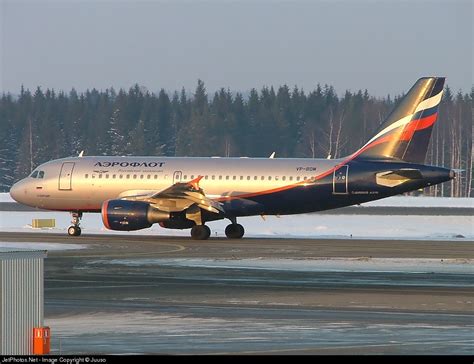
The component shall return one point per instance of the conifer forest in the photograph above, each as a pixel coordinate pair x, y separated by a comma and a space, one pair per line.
40, 125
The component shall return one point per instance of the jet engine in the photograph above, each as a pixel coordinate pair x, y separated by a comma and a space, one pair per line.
127, 215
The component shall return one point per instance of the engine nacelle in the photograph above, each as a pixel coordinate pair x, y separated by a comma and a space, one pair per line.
130, 215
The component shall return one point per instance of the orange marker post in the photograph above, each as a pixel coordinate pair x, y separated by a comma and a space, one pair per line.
41, 340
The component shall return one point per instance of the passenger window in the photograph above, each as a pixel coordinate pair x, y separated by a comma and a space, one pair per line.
234, 178
255, 178
277, 178
291, 178
283, 178
86, 176
120, 176
269, 178
34, 174
248, 178
192, 176
113, 176
106, 176
128, 176
156, 176
220, 177
134, 176
206, 177
298, 178
93, 176
213, 177
241, 178
227, 177
100, 175
185, 176
141, 176
262, 178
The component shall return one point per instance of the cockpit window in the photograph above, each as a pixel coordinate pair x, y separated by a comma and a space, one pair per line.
37, 174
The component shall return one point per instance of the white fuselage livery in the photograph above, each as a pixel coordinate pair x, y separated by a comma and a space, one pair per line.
84, 183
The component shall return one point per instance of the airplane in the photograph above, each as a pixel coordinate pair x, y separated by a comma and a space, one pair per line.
133, 193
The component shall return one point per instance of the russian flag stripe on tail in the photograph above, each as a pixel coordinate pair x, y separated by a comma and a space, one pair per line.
406, 132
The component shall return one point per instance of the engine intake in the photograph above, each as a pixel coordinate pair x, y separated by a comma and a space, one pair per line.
130, 215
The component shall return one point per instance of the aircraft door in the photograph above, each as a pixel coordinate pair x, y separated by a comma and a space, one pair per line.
65, 176
177, 176
340, 180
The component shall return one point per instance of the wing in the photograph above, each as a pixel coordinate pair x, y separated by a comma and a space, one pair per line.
177, 197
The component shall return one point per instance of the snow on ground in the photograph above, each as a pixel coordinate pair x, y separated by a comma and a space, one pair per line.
362, 264
292, 226
423, 201
5, 197
41, 246
295, 226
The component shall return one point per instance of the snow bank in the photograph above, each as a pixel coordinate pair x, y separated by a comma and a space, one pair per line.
362, 264
293, 226
422, 201
41, 246
5, 197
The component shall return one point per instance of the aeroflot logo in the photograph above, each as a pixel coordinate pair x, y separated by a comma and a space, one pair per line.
129, 164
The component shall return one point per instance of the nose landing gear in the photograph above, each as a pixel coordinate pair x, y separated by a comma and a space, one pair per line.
74, 229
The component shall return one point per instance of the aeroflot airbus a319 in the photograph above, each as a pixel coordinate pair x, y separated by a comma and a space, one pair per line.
133, 193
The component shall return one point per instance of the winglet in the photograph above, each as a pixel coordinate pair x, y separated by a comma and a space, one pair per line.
195, 182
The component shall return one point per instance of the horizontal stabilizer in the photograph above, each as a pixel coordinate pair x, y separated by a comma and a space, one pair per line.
395, 178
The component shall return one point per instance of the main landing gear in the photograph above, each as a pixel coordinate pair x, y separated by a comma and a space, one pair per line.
74, 229
200, 232
232, 231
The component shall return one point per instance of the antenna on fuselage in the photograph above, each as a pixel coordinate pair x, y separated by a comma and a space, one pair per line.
272, 155
81, 154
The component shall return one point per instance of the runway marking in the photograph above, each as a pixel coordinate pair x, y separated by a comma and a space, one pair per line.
128, 254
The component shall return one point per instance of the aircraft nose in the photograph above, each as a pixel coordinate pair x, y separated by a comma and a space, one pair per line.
15, 192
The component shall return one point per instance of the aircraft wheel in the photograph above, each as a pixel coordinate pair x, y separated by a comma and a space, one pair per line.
74, 231
200, 232
234, 231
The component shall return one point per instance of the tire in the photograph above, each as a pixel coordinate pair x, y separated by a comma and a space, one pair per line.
74, 231
200, 232
234, 231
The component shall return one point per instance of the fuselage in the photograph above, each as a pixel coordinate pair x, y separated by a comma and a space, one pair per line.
244, 186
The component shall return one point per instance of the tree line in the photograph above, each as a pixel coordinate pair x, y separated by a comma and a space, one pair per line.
45, 124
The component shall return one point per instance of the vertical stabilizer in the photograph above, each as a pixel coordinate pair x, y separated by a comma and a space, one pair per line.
406, 132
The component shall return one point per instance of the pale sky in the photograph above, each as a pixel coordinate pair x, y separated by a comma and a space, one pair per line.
383, 46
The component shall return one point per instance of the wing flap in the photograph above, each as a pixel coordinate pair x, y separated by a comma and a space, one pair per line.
175, 198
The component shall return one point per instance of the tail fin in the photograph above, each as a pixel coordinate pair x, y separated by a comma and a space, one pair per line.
406, 132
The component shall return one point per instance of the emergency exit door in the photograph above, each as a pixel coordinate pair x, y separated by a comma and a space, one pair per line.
65, 177
177, 176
